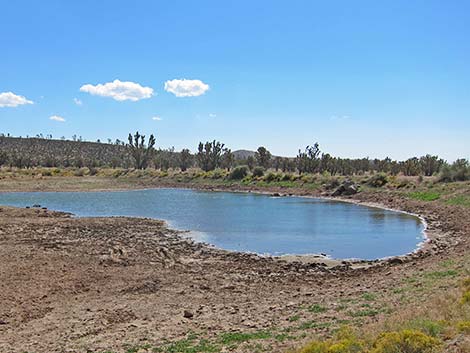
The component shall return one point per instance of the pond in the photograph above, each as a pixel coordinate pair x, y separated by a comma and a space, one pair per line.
250, 222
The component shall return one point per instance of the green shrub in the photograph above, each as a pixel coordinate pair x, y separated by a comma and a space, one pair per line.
378, 180
464, 327
405, 341
239, 172
258, 172
270, 177
218, 174
287, 177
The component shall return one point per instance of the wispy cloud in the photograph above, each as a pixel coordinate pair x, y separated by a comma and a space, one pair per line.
186, 88
57, 118
212, 115
77, 101
11, 100
157, 118
119, 90
339, 117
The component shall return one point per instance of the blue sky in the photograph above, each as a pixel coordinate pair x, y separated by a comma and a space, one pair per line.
363, 78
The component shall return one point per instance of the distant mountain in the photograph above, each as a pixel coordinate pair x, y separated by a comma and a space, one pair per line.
243, 154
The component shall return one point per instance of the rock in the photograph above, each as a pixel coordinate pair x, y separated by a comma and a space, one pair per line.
396, 260
346, 188
188, 314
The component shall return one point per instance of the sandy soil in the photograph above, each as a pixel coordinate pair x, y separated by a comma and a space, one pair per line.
107, 284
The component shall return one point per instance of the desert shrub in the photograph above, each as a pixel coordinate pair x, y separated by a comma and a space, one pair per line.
258, 172
378, 180
46, 172
79, 172
332, 184
270, 177
405, 341
466, 297
218, 174
458, 171
287, 177
344, 342
429, 327
239, 172
464, 327
308, 178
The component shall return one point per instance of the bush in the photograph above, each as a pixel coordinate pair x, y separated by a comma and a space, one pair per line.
458, 171
464, 327
270, 177
378, 180
287, 177
405, 341
79, 172
239, 172
258, 172
217, 174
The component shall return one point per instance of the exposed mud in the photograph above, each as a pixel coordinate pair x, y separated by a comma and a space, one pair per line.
97, 284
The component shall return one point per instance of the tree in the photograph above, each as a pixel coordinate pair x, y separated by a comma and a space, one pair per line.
308, 161
250, 162
228, 159
430, 164
185, 159
140, 152
263, 157
209, 155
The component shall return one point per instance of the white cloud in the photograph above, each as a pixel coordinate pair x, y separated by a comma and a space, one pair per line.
186, 88
119, 90
9, 99
157, 118
57, 118
212, 115
77, 101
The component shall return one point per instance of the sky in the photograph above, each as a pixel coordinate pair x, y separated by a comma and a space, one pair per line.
361, 78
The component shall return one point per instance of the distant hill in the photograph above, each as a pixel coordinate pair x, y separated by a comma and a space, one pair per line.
243, 154
48, 152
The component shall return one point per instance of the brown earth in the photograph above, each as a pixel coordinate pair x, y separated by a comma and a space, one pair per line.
108, 284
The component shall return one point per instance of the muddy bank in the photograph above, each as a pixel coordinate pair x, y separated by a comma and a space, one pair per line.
107, 284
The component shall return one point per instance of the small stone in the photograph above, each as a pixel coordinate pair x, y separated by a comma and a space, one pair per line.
187, 314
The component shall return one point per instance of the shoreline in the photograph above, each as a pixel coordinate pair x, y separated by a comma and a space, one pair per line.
113, 281
303, 258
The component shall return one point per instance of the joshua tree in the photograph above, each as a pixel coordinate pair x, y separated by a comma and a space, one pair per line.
185, 160
209, 155
140, 152
227, 159
263, 157
309, 160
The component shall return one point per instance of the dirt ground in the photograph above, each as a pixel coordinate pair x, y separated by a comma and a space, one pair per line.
132, 285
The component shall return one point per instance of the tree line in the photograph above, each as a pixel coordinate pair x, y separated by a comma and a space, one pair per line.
140, 153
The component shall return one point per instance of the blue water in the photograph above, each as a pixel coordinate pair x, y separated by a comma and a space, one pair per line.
250, 222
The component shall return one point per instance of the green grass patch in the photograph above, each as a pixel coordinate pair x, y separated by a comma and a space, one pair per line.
317, 308
424, 195
369, 296
364, 312
461, 200
440, 274
228, 338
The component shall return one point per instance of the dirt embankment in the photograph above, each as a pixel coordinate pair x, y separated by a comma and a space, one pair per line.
97, 284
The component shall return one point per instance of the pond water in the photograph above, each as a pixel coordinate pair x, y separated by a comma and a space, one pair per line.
250, 222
